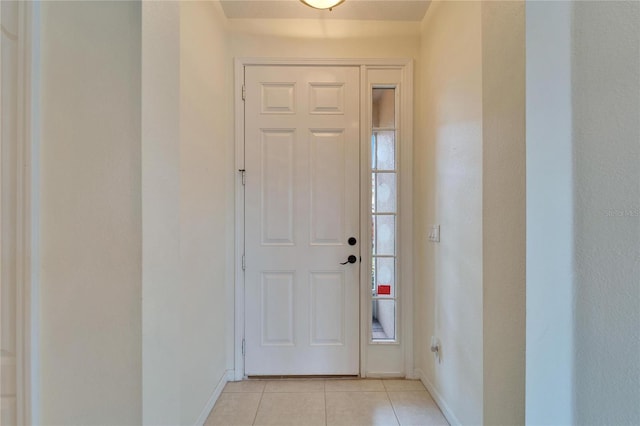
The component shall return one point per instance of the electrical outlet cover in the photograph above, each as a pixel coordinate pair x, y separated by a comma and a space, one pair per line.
434, 234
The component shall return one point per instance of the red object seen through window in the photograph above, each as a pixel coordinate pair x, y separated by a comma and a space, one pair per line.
384, 289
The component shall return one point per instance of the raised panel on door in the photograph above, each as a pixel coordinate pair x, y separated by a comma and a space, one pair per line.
276, 308
327, 307
277, 149
301, 206
278, 98
328, 191
326, 98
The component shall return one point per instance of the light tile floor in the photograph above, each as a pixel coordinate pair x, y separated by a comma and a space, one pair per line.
348, 402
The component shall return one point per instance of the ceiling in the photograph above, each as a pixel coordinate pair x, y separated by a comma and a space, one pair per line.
368, 10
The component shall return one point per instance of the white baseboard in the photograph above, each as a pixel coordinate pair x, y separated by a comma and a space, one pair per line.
227, 376
412, 375
448, 414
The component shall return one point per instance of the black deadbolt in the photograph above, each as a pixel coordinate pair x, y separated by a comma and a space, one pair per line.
352, 241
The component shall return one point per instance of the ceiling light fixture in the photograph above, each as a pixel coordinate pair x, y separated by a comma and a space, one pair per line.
322, 4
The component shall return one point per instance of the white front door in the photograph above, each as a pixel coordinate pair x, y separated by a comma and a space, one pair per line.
301, 210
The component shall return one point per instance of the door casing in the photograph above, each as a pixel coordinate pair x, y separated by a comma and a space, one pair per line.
405, 235
27, 187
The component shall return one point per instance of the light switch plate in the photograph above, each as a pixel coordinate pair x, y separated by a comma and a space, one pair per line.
434, 233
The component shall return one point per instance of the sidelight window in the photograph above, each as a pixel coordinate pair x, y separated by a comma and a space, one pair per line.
384, 213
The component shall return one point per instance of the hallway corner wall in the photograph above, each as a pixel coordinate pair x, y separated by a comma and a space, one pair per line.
606, 193
469, 179
186, 206
161, 281
90, 218
448, 192
503, 211
206, 175
549, 373
583, 187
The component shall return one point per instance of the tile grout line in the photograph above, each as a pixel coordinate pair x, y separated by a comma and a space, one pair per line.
255, 417
324, 386
392, 407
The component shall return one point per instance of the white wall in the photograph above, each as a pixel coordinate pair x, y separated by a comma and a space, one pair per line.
503, 211
90, 213
325, 29
161, 289
549, 379
135, 200
448, 191
583, 224
206, 198
606, 150
308, 38
186, 204
469, 178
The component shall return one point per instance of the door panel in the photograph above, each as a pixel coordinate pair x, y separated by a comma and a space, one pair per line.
277, 186
327, 289
327, 174
301, 206
277, 308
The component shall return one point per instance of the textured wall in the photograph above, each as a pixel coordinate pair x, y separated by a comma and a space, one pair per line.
469, 178
503, 210
205, 176
549, 381
584, 221
90, 213
186, 199
606, 149
448, 191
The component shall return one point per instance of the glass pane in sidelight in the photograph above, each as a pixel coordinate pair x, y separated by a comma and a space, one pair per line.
373, 150
384, 108
373, 192
385, 277
384, 234
383, 320
385, 145
385, 190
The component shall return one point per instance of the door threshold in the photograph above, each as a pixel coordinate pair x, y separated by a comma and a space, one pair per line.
308, 376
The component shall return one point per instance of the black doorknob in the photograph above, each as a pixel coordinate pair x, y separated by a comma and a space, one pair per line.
350, 259
352, 241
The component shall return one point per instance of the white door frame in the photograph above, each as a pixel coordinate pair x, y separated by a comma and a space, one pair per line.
405, 151
27, 203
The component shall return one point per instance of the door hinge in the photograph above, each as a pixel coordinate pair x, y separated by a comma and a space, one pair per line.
244, 350
244, 92
244, 176
244, 262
